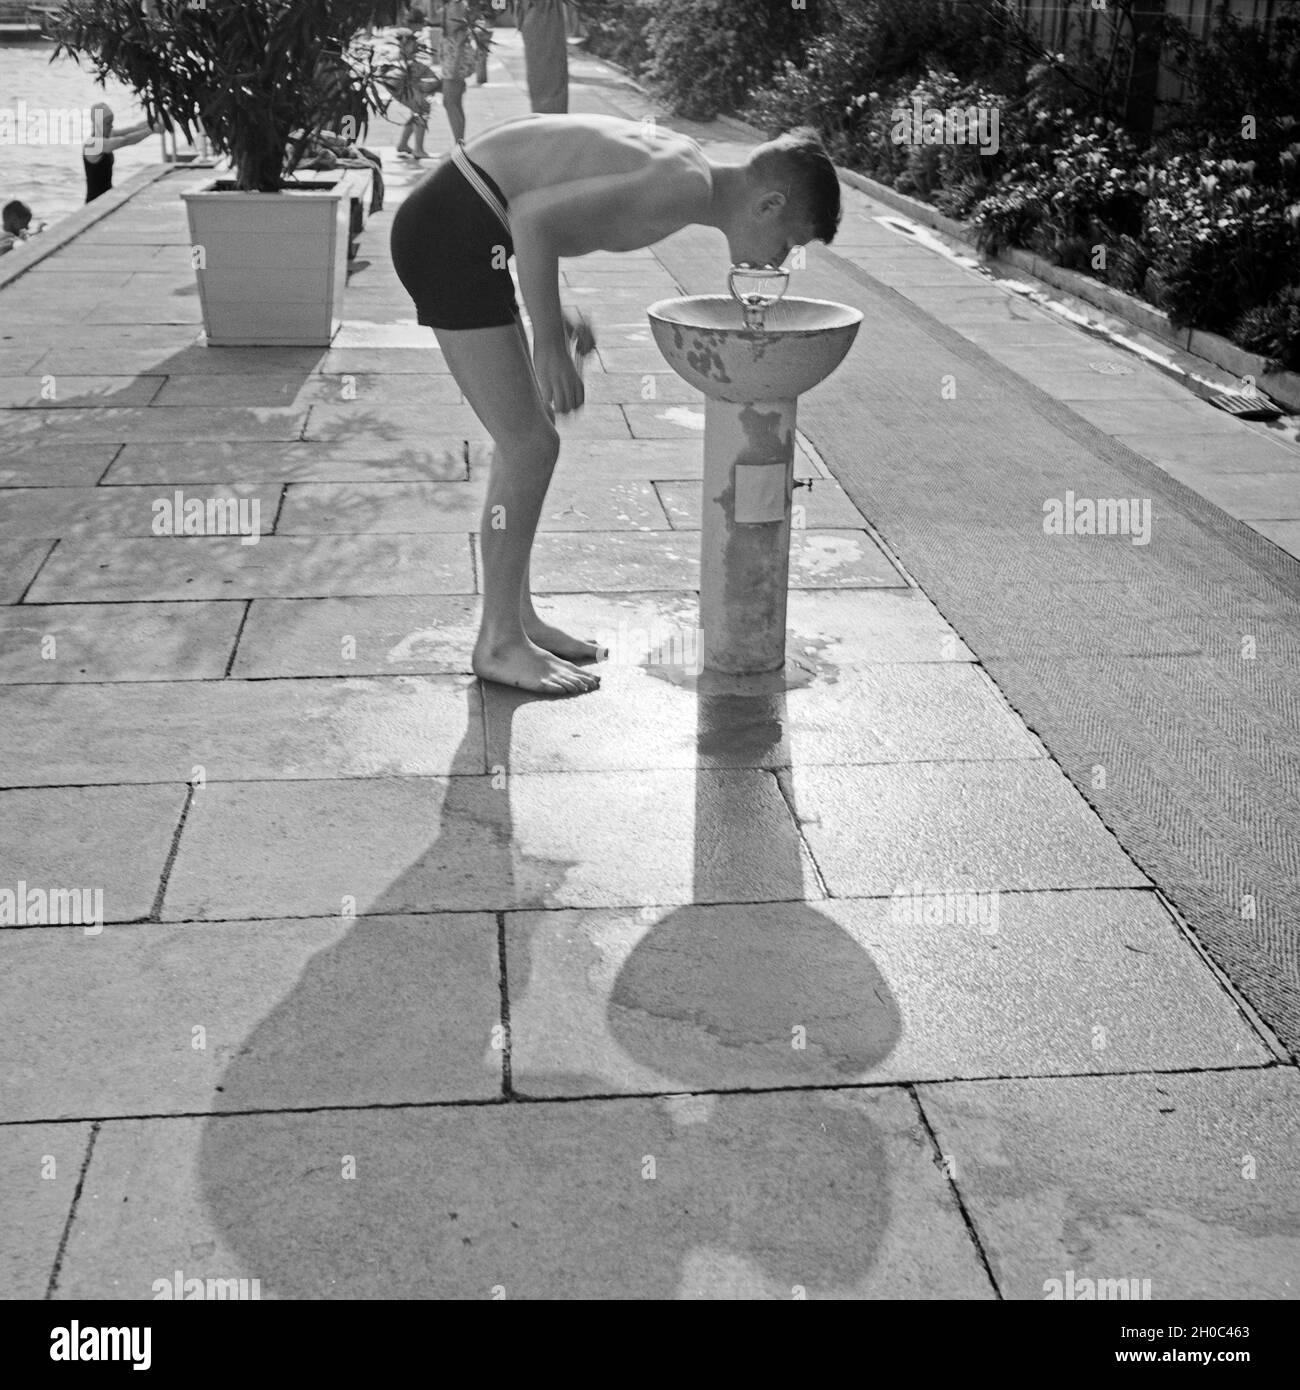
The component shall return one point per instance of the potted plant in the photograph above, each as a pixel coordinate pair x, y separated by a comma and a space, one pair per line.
261, 79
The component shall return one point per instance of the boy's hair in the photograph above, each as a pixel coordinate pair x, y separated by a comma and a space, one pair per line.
15, 216
798, 165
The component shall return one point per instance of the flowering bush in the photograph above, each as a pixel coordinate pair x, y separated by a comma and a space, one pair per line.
1220, 243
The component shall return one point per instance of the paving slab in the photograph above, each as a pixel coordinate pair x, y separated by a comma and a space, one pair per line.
161, 731
354, 333
966, 826
39, 1168
564, 563
53, 390
126, 424
357, 636
89, 513
630, 387
824, 505
1284, 534
671, 718
1187, 1181
55, 465
772, 995
650, 459
388, 361
107, 1026
1102, 381
431, 459
481, 1202
110, 838
383, 425
1187, 415
276, 567
117, 641
349, 508
304, 388
260, 849
1252, 496
19, 561
15, 359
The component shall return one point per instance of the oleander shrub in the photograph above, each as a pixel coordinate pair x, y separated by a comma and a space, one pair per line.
709, 55
864, 55
618, 30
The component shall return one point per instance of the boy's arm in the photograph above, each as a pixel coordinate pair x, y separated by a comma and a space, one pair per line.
570, 219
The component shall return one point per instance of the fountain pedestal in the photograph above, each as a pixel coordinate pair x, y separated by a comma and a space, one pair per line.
752, 379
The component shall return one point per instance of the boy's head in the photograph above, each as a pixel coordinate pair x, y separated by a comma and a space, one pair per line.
793, 197
16, 217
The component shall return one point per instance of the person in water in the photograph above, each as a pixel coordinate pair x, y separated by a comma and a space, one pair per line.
540, 188
98, 152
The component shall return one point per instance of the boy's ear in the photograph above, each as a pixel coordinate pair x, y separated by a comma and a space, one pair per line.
770, 203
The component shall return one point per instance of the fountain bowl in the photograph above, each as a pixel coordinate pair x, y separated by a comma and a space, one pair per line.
706, 342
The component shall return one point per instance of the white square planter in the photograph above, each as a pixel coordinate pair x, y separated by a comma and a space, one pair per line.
274, 265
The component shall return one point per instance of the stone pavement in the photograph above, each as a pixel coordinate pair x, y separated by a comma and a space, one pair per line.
825, 986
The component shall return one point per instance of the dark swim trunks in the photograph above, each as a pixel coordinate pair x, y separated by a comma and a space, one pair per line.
451, 252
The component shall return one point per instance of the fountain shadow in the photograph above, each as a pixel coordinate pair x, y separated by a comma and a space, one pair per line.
482, 1174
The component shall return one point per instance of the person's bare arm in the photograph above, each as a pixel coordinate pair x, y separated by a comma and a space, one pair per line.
132, 135
571, 219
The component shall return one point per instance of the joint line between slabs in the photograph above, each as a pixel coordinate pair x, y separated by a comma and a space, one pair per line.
155, 912
516, 1098
22, 598
967, 1219
234, 649
57, 1267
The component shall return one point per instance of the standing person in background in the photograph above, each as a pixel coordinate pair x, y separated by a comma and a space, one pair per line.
411, 80
546, 54
97, 152
459, 61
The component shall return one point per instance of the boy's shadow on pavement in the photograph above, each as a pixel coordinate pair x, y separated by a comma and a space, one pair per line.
708, 1195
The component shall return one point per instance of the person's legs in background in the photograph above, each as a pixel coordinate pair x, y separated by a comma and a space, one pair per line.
453, 102
546, 55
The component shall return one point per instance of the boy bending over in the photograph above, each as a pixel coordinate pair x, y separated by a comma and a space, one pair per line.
540, 188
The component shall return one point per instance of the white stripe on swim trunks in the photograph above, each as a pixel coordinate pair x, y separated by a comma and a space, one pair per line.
461, 160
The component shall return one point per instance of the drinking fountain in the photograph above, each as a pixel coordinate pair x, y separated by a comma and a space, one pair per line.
752, 352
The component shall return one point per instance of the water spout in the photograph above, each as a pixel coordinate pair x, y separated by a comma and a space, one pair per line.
756, 289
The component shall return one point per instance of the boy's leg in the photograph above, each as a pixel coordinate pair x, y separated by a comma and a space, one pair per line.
453, 93
553, 639
493, 369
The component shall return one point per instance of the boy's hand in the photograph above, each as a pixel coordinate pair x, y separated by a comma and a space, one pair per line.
559, 379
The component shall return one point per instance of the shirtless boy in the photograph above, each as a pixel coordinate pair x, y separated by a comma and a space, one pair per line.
540, 188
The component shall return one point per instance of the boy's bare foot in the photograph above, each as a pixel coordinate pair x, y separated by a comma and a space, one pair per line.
560, 643
526, 666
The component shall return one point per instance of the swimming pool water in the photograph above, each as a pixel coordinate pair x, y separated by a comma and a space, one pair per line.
48, 177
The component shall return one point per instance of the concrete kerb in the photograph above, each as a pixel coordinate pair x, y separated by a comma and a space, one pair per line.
72, 226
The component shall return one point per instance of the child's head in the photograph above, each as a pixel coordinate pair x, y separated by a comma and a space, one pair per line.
16, 217
794, 197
